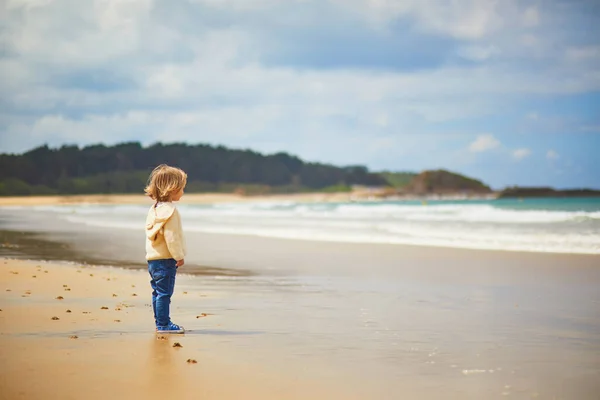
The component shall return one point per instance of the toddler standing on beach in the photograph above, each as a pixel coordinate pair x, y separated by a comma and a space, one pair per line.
165, 245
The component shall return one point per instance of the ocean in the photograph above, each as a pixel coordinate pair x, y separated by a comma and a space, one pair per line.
534, 225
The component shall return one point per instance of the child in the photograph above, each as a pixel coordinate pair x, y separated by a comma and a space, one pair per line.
165, 246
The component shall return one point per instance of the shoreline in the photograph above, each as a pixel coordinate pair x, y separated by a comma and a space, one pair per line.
38, 246
192, 198
215, 198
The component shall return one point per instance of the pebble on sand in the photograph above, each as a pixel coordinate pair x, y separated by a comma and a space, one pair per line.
60, 298
177, 344
104, 308
68, 311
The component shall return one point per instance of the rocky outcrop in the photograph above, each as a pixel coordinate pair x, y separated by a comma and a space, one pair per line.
442, 182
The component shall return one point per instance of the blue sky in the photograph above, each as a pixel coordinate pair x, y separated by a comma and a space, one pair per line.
505, 91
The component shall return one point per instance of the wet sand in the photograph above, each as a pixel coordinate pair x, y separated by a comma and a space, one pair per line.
72, 332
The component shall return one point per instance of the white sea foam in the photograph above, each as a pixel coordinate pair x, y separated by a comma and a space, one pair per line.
462, 225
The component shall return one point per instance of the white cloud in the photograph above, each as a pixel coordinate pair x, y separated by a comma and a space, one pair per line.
521, 153
478, 53
583, 53
484, 143
552, 155
531, 17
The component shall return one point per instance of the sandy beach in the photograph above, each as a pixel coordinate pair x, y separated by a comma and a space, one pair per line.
72, 332
191, 198
274, 318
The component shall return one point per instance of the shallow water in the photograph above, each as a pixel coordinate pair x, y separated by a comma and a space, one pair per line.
569, 225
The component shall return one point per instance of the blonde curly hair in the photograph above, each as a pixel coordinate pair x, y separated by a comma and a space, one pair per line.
165, 181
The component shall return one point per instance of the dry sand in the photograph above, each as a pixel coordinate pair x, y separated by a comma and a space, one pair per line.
73, 348
192, 198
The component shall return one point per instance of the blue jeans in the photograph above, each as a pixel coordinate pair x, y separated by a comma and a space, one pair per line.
163, 274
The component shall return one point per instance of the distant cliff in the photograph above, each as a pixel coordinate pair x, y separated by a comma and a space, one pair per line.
515, 192
444, 182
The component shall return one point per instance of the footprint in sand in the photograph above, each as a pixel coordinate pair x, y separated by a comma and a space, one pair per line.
191, 361
177, 344
114, 295
55, 318
73, 337
104, 308
68, 311
60, 298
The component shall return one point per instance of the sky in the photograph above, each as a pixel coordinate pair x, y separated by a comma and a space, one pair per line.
504, 91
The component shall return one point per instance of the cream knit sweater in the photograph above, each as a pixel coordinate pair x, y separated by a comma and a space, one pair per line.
164, 236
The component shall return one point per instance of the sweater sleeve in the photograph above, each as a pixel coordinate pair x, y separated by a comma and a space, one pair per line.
174, 236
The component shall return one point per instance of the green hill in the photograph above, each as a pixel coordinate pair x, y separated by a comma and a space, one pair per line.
124, 168
444, 182
398, 180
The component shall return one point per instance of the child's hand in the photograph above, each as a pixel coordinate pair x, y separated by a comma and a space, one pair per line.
180, 263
